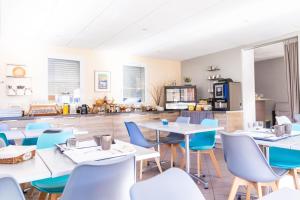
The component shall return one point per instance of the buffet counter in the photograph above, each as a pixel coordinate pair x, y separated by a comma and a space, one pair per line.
94, 124
230, 120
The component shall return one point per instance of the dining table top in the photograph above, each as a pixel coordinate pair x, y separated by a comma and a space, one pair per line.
51, 162
181, 128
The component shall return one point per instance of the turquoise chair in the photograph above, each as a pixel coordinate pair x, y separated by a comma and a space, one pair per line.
53, 186
34, 126
3, 140
286, 159
203, 143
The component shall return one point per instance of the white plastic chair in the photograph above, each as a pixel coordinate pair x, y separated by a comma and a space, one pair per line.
101, 180
10, 189
173, 184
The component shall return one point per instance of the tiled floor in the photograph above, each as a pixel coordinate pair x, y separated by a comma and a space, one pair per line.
218, 187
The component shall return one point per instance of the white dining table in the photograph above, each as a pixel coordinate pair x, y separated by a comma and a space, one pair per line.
22, 133
180, 128
52, 163
292, 142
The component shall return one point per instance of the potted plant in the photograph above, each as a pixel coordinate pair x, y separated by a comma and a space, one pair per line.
187, 81
157, 95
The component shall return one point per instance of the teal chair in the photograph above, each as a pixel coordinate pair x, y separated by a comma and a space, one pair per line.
3, 140
286, 159
53, 186
203, 143
34, 127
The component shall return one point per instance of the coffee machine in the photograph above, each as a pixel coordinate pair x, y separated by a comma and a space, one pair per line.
227, 96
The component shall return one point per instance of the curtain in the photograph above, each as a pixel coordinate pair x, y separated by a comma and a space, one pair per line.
292, 75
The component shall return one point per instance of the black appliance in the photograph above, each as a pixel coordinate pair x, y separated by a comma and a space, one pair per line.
84, 109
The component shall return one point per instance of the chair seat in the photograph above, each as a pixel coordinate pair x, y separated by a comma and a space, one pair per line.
199, 146
172, 138
284, 158
51, 185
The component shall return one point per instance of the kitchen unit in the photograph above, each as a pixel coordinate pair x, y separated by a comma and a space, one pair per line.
227, 96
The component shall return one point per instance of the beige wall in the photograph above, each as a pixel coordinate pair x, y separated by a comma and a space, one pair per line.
158, 71
229, 61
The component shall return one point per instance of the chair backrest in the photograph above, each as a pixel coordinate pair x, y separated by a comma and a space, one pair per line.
10, 189
244, 159
283, 120
185, 120
209, 136
3, 127
37, 126
135, 135
172, 184
3, 140
48, 140
101, 180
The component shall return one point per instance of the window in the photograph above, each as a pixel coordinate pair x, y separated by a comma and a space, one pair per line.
64, 80
133, 84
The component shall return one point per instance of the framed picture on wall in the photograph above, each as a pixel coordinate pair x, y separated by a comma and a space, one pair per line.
102, 81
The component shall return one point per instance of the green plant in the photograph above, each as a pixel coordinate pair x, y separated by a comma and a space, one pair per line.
187, 80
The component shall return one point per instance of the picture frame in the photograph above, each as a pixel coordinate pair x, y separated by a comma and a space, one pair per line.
102, 81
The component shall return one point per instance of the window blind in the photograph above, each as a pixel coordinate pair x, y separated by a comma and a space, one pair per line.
134, 82
63, 76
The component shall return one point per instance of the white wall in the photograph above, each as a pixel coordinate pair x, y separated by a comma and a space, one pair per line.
248, 86
158, 71
229, 61
270, 79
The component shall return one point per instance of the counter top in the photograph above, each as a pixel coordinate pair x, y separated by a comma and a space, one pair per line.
79, 115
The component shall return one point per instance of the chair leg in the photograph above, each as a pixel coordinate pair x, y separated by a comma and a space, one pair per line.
199, 163
293, 173
215, 163
248, 192
157, 160
54, 196
234, 187
182, 161
42, 196
174, 153
274, 186
141, 169
258, 188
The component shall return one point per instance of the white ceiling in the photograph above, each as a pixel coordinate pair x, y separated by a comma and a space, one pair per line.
269, 52
175, 29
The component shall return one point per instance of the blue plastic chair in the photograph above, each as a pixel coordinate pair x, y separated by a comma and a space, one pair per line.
137, 138
172, 184
109, 179
3, 140
204, 143
4, 127
174, 139
286, 159
10, 189
247, 163
34, 126
56, 185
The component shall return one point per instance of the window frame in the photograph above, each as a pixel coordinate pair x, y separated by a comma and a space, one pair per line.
82, 65
145, 79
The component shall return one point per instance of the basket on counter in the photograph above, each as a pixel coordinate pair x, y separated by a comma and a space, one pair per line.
15, 154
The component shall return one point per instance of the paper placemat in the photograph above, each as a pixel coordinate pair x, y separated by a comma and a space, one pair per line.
96, 153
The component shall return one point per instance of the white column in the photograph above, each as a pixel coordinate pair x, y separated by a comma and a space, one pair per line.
248, 86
